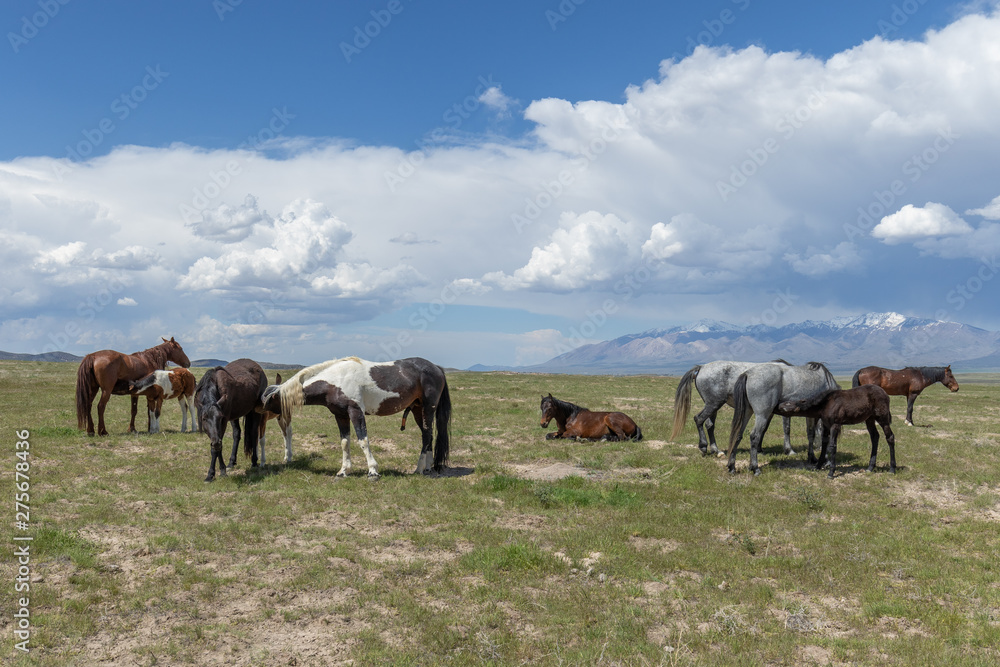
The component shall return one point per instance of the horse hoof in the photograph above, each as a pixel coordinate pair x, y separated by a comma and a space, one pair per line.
908, 422
756, 472
210, 478
892, 470
732, 470
373, 476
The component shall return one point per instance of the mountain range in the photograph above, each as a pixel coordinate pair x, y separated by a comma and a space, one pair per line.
844, 344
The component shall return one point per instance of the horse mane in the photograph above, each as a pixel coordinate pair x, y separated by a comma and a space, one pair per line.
932, 373
207, 391
780, 361
566, 406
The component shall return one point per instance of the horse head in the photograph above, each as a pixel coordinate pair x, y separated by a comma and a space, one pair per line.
175, 353
270, 400
548, 410
949, 380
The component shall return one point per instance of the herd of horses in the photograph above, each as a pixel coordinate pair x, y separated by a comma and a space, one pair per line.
351, 388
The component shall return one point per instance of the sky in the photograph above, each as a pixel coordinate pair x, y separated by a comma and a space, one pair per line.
492, 183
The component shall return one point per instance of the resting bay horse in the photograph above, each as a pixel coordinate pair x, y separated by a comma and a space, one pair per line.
908, 382
351, 388
866, 403
110, 372
224, 394
161, 386
574, 421
762, 389
714, 382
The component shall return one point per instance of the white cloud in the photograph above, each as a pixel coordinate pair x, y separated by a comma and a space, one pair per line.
127, 301
229, 224
991, 211
814, 263
495, 99
911, 223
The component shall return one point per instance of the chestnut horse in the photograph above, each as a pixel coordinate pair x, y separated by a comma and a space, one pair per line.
865, 403
111, 371
224, 394
908, 382
161, 386
577, 422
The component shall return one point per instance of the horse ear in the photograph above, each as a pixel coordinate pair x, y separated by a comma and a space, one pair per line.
550, 394
277, 378
164, 339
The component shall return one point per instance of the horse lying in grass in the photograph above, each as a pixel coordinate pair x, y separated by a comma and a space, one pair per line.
224, 394
866, 403
163, 385
908, 382
351, 388
574, 421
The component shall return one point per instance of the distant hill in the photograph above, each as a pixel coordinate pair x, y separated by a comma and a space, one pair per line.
48, 356
844, 344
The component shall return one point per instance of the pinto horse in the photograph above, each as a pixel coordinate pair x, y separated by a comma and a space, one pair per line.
110, 372
865, 403
577, 422
908, 382
351, 388
286, 428
161, 386
224, 394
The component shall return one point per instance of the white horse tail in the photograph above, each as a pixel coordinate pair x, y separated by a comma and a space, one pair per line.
293, 396
682, 401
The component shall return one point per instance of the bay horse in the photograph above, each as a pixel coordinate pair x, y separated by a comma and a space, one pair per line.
761, 390
866, 403
574, 421
351, 388
714, 382
908, 382
110, 372
225, 394
165, 385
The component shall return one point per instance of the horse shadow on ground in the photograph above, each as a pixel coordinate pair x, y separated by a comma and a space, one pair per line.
306, 463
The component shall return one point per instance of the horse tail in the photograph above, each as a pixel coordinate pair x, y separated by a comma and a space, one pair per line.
682, 401
251, 431
741, 412
856, 380
443, 419
638, 434
293, 396
86, 390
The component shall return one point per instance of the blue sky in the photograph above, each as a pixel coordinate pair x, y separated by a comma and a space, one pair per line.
482, 182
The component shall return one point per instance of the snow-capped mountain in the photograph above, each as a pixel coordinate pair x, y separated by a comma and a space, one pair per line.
844, 344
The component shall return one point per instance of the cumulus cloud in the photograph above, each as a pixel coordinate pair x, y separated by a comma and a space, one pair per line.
911, 223
228, 224
814, 263
991, 211
127, 301
495, 99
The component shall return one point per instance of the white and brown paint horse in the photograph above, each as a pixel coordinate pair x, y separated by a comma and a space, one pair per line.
164, 385
351, 388
285, 424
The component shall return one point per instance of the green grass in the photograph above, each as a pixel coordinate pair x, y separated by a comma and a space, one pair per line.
635, 554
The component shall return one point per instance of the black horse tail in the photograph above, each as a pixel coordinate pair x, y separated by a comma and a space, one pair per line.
86, 390
251, 432
443, 428
682, 401
855, 381
638, 434
741, 412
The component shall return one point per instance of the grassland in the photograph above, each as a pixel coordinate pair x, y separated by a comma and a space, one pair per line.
529, 552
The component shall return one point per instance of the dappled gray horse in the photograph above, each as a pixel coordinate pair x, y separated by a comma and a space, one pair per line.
761, 389
714, 382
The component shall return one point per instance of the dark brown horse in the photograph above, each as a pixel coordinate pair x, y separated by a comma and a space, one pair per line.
866, 403
908, 382
110, 372
576, 422
224, 394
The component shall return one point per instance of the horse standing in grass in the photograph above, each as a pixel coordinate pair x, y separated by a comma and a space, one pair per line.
762, 389
110, 372
351, 388
161, 386
908, 382
865, 403
577, 422
286, 428
224, 394
714, 382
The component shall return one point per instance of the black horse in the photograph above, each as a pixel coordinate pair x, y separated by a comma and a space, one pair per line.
224, 394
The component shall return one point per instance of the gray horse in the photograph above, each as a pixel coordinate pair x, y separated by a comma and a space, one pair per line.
762, 389
714, 382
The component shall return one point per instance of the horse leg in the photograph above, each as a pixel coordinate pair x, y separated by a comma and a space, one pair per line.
286, 430
361, 430
135, 410
619, 433
425, 422
216, 429
101, 404
707, 416
873, 434
909, 408
756, 439
236, 442
344, 424
786, 426
812, 427
834, 435
890, 439
824, 439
